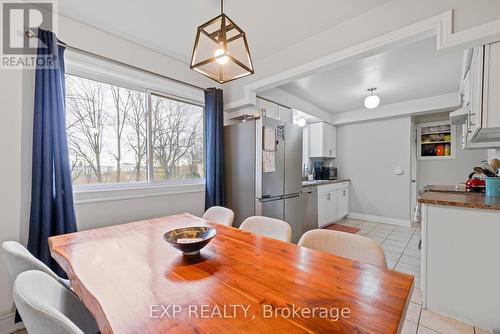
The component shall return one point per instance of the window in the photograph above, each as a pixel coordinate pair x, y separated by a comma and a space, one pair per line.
111, 141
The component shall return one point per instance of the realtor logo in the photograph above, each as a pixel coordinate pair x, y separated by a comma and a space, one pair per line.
20, 23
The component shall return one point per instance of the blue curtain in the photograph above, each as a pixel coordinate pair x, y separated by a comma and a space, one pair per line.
214, 146
52, 211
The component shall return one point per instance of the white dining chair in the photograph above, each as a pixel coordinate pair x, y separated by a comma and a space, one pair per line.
47, 307
19, 259
220, 214
352, 246
269, 227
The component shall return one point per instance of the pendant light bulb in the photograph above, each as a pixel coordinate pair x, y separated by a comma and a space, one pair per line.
221, 56
372, 101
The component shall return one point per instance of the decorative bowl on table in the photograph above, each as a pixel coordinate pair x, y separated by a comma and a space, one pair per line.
189, 240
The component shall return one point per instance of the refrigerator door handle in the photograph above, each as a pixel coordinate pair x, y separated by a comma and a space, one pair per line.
267, 198
292, 195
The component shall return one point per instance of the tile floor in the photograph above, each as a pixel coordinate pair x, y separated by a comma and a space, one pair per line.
400, 245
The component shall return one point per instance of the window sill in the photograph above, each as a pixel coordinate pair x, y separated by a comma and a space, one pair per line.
119, 192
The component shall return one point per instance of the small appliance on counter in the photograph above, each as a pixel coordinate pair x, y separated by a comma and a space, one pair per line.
485, 179
475, 184
324, 173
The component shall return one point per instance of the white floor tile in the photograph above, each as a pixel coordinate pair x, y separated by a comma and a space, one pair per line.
423, 330
384, 229
369, 225
400, 244
412, 252
444, 324
396, 237
392, 255
391, 264
391, 248
412, 246
403, 233
408, 269
413, 260
413, 312
377, 234
416, 297
409, 327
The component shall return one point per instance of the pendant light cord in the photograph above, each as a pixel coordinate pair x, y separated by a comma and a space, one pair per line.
222, 6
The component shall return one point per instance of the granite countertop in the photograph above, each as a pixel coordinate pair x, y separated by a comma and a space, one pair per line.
460, 199
321, 182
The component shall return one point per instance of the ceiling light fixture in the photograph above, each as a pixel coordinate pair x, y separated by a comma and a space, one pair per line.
301, 122
221, 50
372, 101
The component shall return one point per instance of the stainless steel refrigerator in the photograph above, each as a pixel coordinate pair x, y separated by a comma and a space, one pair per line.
260, 180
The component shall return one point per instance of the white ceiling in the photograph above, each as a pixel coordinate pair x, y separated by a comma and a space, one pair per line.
409, 72
169, 27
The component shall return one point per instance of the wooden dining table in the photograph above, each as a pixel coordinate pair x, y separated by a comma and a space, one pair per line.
134, 282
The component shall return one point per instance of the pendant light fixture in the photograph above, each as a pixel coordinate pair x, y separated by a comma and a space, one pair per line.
221, 50
372, 101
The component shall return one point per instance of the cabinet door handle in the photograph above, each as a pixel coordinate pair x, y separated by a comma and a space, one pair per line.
329, 197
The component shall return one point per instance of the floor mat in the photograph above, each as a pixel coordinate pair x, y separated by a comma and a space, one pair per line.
342, 228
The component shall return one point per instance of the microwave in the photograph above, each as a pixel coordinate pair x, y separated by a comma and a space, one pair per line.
330, 173
325, 173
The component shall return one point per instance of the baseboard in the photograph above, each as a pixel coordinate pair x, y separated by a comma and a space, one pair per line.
7, 324
380, 219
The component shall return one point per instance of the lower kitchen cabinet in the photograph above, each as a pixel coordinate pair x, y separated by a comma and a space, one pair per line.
333, 202
327, 207
342, 203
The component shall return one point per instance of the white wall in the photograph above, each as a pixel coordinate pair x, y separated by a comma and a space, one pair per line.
16, 108
10, 196
452, 171
368, 153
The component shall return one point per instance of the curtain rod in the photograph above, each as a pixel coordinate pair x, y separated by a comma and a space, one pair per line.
29, 34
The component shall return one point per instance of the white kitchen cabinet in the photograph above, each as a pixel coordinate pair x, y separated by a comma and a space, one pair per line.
483, 122
322, 140
342, 203
275, 111
460, 262
333, 202
267, 108
285, 114
327, 207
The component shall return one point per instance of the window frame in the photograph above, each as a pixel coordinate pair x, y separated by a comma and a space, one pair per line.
105, 72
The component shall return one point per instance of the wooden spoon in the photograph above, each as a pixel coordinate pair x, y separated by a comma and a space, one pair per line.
495, 165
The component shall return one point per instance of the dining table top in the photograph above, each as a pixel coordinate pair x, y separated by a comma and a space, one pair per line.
134, 282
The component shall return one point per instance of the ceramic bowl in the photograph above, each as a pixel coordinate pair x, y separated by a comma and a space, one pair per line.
189, 240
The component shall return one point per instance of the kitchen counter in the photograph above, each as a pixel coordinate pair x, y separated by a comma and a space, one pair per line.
321, 182
460, 199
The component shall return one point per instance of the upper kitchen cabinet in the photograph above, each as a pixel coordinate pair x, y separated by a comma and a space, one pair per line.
267, 108
322, 140
481, 97
275, 111
285, 114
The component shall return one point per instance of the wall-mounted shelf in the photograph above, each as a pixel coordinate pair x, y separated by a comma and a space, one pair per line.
436, 141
